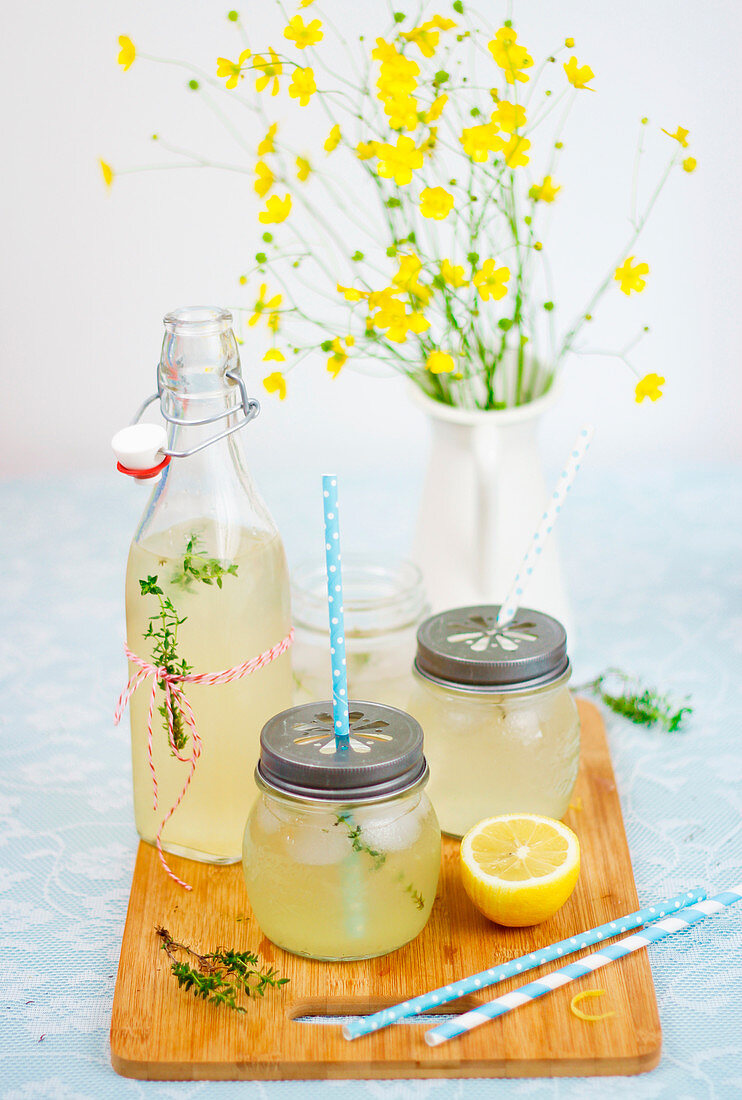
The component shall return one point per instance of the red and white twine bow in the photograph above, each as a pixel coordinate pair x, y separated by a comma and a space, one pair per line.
175, 698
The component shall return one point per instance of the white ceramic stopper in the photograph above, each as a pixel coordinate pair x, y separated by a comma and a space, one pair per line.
140, 446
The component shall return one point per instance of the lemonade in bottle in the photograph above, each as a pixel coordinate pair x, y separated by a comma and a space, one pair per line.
206, 590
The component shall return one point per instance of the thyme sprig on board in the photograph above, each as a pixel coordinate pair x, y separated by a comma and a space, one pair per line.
163, 625
221, 976
634, 700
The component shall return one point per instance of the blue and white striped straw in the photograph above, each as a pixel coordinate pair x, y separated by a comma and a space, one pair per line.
513, 599
336, 610
531, 992
514, 967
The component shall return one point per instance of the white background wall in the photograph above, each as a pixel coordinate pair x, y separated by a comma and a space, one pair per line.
87, 275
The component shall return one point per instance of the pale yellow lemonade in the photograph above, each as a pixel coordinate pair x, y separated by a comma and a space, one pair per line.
341, 882
495, 754
224, 626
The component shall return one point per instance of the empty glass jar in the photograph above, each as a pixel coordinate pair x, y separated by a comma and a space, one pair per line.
384, 604
342, 848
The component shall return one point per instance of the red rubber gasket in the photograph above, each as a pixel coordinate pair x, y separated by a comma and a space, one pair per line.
142, 474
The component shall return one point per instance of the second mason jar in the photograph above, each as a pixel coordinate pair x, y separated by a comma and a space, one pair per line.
342, 848
502, 731
384, 603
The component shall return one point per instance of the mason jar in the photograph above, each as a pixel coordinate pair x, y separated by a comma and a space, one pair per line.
502, 731
342, 848
384, 602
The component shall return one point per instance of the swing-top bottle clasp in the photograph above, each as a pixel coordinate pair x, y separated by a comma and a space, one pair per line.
141, 449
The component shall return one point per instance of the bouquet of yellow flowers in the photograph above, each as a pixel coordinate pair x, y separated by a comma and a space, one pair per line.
438, 130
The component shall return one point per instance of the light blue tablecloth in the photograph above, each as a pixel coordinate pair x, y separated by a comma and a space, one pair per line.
655, 567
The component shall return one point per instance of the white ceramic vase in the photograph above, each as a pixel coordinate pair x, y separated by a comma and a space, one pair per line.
483, 496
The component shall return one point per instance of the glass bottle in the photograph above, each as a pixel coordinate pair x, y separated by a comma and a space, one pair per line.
206, 584
342, 850
384, 603
502, 731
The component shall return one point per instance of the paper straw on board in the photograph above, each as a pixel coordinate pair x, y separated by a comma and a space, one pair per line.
514, 967
336, 611
549, 518
531, 992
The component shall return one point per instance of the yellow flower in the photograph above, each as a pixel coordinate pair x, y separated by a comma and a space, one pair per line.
440, 362
274, 321
271, 70
515, 151
232, 69
510, 57
302, 86
397, 76
491, 281
569, 43
274, 354
690, 164
268, 144
680, 135
398, 161
629, 276
264, 305
127, 52
276, 383
435, 202
303, 168
649, 386
384, 51
406, 277
333, 139
402, 112
426, 147
454, 276
264, 178
107, 172
480, 141
578, 75
366, 149
338, 359
351, 294
425, 38
393, 317
383, 299
435, 110
440, 22
303, 34
544, 192
305, 3
276, 210
509, 116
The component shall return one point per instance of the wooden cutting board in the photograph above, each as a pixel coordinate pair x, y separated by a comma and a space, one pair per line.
161, 1032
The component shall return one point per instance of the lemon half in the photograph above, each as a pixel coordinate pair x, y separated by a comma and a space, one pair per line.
519, 869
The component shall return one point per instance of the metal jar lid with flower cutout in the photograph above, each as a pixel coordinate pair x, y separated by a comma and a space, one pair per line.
299, 755
465, 648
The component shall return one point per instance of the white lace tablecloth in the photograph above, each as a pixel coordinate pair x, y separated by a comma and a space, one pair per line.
654, 563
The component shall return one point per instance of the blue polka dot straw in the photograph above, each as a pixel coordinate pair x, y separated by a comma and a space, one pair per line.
514, 597
335, 605
511, 969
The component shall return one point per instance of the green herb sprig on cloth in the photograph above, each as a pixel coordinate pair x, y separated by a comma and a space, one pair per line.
219, 977
632, 699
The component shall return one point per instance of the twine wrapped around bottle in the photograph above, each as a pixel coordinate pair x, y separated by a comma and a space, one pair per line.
175, 697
